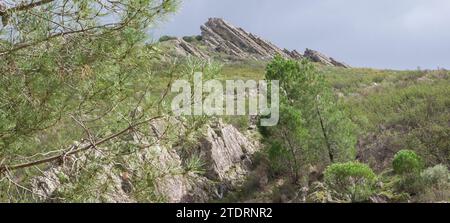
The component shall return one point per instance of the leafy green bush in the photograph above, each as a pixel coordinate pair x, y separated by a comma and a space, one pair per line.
199, 38
191, 39
352, 181
408, 165
407, 162
410, 183
166, 38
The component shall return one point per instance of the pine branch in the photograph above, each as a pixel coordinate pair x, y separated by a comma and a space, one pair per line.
4, 168
24, 7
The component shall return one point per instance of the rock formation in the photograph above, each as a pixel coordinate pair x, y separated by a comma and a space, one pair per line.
318, 57
224, 37
184, 48
228, 153
219, 37
293, 54
225, 151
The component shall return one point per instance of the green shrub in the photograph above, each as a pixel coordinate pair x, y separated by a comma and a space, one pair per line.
407, 162
279, 159
199, 38
166, 38
191, 39
351, 181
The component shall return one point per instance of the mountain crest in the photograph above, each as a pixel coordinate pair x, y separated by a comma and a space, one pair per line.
224, 37
220, 37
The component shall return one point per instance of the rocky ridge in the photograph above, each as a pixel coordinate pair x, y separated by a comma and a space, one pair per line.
318, 57
220, 37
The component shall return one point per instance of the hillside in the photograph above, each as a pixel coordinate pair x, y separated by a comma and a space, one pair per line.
108, 133
393, 111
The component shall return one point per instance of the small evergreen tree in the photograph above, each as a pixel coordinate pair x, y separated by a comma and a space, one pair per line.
312, 127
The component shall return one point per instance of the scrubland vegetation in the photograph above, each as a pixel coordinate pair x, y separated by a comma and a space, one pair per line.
399, 118
345, 134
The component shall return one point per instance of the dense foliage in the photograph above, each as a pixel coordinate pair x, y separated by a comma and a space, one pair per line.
313, 129
89, 67
352, 181
75, 70
407, 162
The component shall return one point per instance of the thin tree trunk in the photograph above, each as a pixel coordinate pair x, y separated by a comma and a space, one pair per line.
330, 152
294, 157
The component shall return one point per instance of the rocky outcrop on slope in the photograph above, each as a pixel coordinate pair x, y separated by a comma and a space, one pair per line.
225, 151
226, 38
219, 37
318, 57
57, 179
184, 48
294, 54
228, 153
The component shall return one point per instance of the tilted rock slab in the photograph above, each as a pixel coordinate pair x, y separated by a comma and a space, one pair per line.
318, 57
228, 153
224, 37
219, 36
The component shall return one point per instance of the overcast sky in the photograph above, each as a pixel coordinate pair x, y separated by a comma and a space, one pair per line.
396, 34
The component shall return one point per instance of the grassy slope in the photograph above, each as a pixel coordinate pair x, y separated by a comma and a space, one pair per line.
394, 110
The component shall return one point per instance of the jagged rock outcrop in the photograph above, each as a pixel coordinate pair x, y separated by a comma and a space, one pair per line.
318, 57
219, 36
184, 48
221, 40
56, 179
225, 151
226, 38
228, 153
294, 54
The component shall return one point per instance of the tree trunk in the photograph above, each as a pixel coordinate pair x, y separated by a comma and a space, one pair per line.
325, 136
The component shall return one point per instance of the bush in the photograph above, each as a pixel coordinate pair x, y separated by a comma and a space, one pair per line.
351, 180
199, 38
166, 38
279, 159
407, 162
191, 39
436, 184
436, 176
